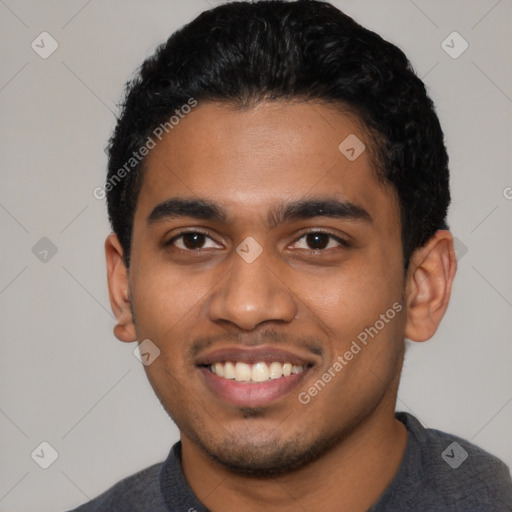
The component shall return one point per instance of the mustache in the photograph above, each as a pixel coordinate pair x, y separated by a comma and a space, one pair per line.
267, 337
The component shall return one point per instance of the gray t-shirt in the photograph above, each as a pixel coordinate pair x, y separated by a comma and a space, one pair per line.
439, 473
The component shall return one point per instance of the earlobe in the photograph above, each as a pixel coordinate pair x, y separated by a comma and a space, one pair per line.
118, 288
429, 283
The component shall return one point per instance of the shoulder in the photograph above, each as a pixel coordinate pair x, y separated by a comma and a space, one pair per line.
462, 475
137, 492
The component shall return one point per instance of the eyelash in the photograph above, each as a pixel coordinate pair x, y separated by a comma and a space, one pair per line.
342, 242
331, 236
188, 232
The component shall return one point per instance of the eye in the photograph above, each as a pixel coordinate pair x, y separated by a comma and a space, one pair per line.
318, 241
192, 241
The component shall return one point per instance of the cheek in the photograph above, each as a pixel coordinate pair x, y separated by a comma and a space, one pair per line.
164, 299
347, 301
166, 311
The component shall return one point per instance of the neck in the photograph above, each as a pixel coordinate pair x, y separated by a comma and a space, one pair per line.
351, 476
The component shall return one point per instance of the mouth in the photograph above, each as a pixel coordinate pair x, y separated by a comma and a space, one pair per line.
257, 372
253, 377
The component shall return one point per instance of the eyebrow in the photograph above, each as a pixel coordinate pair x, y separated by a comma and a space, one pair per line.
176, 208
308, 209
294, 210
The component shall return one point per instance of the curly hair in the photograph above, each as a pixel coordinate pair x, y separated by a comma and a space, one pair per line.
243, 53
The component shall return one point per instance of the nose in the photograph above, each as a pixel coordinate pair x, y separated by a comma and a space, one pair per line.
252, 294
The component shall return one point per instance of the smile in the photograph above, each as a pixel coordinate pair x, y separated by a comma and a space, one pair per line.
253, 376
255, 372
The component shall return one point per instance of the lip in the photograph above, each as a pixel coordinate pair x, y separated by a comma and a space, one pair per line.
252, 394
253, 355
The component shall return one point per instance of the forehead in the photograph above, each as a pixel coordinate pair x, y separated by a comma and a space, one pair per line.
250, 160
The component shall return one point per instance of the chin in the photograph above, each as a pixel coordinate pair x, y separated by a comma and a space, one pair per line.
264, 457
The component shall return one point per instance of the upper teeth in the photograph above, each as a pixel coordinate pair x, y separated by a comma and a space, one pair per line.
257, 372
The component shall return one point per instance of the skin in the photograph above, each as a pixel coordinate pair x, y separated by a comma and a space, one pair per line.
341, 450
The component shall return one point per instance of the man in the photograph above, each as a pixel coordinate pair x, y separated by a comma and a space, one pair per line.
278, 190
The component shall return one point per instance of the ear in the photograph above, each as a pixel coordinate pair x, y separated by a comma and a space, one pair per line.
118, 290
428, 286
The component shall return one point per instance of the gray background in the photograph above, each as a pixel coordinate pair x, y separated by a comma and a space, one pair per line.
66, 380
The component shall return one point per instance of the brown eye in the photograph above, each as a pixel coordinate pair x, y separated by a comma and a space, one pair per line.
193, 240
317, 241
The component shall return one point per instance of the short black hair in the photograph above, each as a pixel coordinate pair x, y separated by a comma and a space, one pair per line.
243, 53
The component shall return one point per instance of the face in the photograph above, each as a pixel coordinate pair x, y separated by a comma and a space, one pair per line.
267, 268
